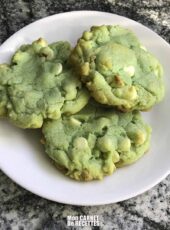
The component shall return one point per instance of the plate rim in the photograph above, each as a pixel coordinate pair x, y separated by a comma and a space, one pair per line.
84, 203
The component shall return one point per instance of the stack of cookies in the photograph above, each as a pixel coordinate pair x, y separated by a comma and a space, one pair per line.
86, 99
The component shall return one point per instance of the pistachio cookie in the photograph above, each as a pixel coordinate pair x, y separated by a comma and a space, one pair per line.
39, 84
117, 69
92, 143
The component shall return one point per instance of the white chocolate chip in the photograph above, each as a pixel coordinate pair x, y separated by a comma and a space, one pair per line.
156, 72
105, 144
75, 121
130, 70
58, 68
140, 137
125, 144
143, 48
80, 143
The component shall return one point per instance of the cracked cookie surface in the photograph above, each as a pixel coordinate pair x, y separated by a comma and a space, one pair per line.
94, 142
38, 84
117, 69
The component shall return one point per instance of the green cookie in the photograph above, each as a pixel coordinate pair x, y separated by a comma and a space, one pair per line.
92, 143
117, 69
40, 84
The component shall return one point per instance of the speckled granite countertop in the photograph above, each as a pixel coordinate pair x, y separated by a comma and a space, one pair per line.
20, 209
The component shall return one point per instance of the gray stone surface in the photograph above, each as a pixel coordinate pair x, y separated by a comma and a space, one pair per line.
20, 209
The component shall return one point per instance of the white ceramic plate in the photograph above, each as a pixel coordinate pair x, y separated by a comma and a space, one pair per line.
22, 157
